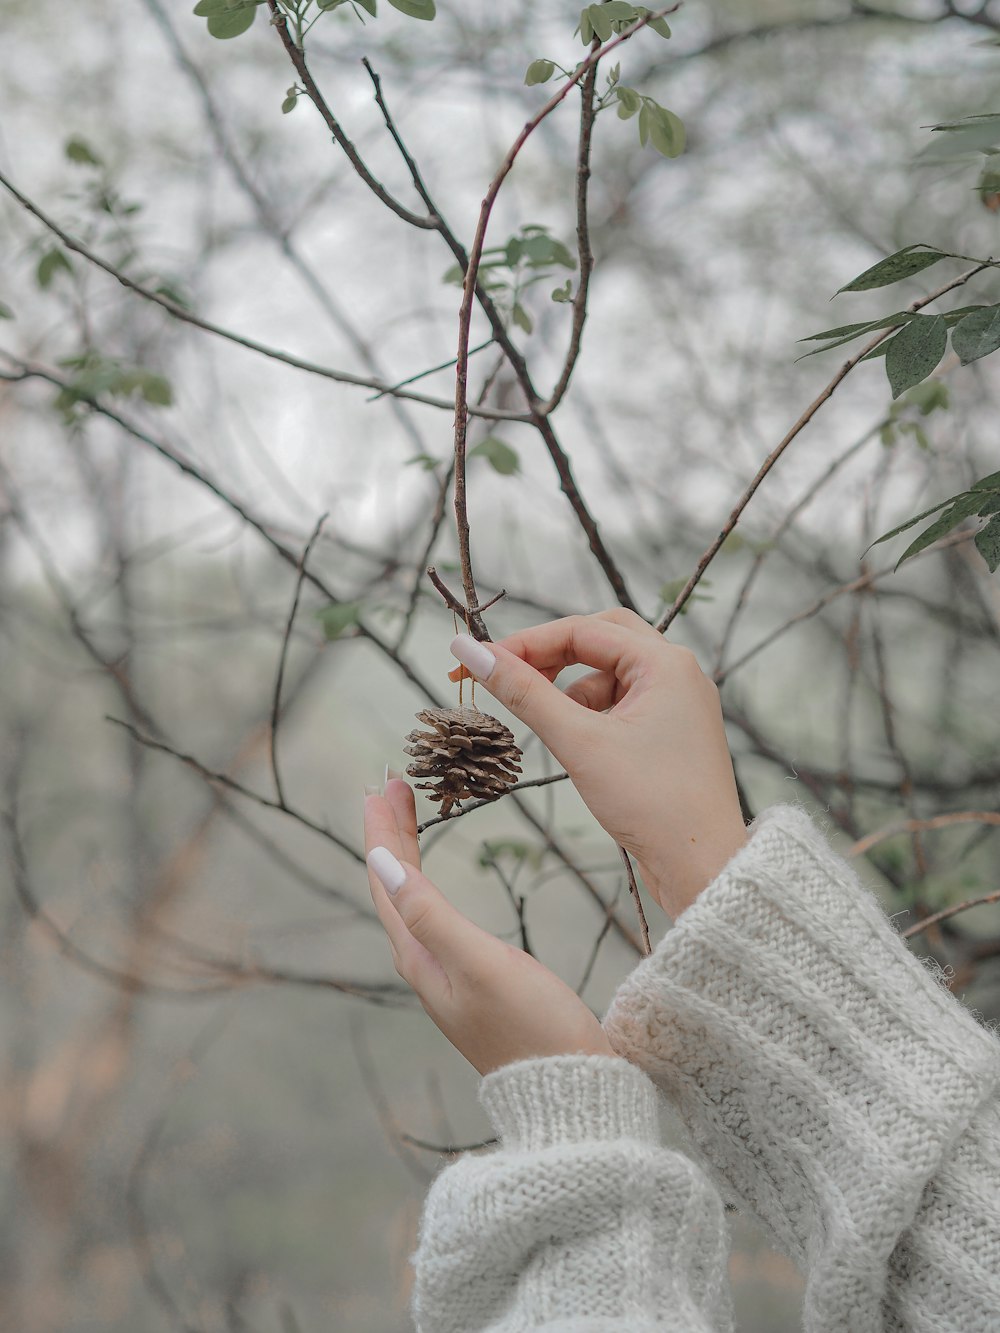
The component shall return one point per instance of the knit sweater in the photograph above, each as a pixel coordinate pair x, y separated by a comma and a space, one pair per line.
828, 1085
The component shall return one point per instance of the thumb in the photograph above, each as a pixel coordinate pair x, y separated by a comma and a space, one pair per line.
527, 693
413, 908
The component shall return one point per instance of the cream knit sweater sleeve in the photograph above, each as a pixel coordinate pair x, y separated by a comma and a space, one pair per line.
580, 1222
831, 1086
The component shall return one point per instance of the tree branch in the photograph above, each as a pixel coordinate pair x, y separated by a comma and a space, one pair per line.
803, 421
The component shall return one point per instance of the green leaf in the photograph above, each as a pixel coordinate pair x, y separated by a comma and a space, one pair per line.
894, 532
658, 25
369, 5
619, 11
629, 102
990, 483
915, 351
991, 506
521, 317
845, 332
289, 104
988, 543
232, 23
926, 397
670, 591
156, 389
539, 71
666, 131
644, 123
427, 461
207, 8
903, 264
5, 311
77, 150
600, 21
500, 456
586, 31
977, 334
49, 265
338, 617
964, 507
564, 293
416, 9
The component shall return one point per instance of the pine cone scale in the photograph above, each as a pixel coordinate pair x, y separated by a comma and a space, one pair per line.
465, 754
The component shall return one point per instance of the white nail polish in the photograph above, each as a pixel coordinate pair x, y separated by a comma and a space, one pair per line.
474, 655
388, 870
385, 777
372, 789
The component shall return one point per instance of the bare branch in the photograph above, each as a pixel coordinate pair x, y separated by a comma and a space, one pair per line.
187, 316
297, 57
276, 705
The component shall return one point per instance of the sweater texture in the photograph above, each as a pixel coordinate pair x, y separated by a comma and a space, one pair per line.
828, 1085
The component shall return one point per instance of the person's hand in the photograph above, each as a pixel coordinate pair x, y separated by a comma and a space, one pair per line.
493, 1002
641, 737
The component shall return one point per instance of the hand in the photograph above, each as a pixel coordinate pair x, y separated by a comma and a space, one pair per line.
493, 1002
641, 737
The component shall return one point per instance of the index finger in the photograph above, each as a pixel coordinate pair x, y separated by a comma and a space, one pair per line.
619, 642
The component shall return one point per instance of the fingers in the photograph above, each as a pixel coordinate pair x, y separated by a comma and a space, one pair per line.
399, 794
597, 691
520, 669
413, 910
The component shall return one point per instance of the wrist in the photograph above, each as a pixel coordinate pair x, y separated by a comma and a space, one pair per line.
676, 880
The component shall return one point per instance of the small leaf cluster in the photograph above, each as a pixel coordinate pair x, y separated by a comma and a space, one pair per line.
95, 374
508, 270
982, 500
602, 21
919, 341
661, 128
232, 18
906, 412
338, 617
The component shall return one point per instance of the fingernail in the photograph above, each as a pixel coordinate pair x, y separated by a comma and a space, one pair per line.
474, 655
392, 773
372, 789
385, 777
388, 870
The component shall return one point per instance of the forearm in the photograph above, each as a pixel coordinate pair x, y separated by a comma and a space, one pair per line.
827, 1081
580, 1220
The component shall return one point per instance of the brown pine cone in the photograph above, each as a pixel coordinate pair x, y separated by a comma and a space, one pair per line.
466, 755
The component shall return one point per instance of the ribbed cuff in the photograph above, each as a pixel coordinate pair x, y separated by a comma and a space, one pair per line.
565, 1099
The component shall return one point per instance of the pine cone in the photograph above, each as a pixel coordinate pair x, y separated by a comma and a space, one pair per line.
467, 755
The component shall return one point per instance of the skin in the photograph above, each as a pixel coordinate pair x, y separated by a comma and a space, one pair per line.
642, 738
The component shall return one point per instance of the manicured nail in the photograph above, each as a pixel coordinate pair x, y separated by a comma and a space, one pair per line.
392, 773
372, 789
385, 777
474, 655
388, 870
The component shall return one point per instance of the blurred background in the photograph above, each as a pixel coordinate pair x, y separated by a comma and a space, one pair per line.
219, 1107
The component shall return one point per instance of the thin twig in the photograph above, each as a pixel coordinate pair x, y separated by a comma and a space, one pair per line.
251, 344
864, 845
276, 704
950, 911
584, 253
633, 889
476, 626
225, 780
710, 553
297, 58
469, 806
197, 473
